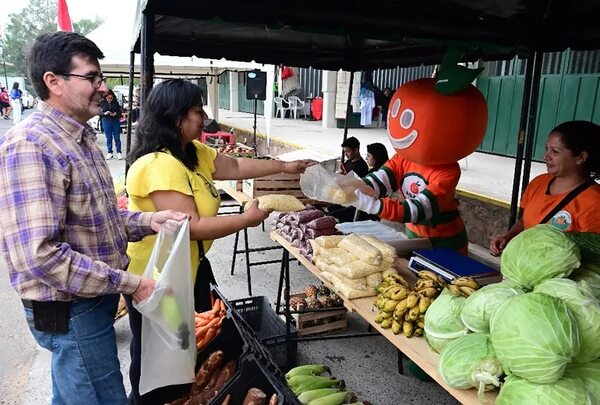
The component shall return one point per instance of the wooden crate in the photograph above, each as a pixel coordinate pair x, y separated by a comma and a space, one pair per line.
282, 183
314, 322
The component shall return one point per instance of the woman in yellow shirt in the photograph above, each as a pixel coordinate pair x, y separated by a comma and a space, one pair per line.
171, 169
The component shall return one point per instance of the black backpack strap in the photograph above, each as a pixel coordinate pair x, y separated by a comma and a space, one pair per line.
568, 198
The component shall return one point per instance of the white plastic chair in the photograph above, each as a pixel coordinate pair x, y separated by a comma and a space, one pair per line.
281, 109
296, 105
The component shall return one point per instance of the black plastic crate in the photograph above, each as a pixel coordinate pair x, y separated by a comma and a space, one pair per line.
269, 328
254, 375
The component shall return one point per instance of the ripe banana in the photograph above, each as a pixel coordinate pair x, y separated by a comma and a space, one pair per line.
412, 299
311, 395
401, 309
414, 313
308, 369
390, 305
396, 278
396, 327
379, 317
466, 282
422, 284
424, 303
419, 332
428, 292
400, 294
428, 275
466, 291
421, 324
454, 289
407, 329
386, 323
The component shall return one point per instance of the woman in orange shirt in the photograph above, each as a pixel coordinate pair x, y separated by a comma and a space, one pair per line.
572, 156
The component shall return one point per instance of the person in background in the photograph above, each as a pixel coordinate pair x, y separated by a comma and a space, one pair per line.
354, 162
385, 104
376, 156
171, 169
62, 237
5, 103
16, 103
572, 156
110, 114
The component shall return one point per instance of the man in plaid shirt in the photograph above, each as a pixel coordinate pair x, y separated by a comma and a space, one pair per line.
62, 236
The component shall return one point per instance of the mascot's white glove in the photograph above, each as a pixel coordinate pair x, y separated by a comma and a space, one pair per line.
366, 203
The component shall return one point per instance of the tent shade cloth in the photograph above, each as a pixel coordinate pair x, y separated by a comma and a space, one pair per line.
352, 35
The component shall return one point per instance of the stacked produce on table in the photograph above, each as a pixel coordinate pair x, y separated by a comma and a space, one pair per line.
300, 227
353, 264
540, 327
316, 297
311, 387
403, 308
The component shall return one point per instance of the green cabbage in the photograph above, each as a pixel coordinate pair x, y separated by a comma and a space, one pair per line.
470, 362
479, 307
537, 254
586, 309
565, 391
442, 321
591, 275
589, 373
535, 336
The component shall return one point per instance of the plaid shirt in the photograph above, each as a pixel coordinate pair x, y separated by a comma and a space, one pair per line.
61, 234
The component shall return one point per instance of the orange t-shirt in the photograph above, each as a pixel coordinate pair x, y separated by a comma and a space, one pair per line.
582, 214
429, 209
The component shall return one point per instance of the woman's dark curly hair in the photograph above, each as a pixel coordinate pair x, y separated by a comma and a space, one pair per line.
158, 126
582, 136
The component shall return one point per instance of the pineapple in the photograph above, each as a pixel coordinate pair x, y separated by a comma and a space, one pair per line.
323, 290
325, 301
297, 303
337, 301
312, 303
310, 291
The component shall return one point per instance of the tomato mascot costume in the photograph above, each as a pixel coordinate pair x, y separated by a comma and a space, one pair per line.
432, 124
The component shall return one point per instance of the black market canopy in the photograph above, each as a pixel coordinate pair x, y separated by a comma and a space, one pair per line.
353, 36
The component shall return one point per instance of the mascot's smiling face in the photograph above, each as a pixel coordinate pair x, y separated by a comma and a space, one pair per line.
430, 128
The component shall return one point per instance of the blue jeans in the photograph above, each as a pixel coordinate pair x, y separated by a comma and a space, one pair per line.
85, 366
112, 130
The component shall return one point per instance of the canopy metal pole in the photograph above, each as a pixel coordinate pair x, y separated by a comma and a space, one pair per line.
130, 115
147, 56
531, 125
530, 95
348, 111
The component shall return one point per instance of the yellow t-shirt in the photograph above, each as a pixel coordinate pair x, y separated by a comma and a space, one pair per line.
160, 171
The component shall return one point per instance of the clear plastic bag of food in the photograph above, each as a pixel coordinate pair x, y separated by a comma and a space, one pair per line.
322, 185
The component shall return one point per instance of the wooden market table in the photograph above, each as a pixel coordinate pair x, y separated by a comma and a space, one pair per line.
241, 199
415, 348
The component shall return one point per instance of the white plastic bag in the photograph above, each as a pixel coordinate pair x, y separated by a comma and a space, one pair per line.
322, 185
168, 352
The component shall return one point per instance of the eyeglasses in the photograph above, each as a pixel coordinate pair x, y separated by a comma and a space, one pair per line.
209, 186
96, 79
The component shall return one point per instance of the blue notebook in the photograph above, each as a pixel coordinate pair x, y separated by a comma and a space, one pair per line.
449, 264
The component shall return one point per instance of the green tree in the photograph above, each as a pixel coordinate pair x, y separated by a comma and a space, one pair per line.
38, 17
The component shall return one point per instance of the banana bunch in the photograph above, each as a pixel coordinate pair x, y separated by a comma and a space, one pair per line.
311, 388
464, 286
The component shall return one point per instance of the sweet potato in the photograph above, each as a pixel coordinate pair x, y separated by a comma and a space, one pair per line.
225, 375
322, 223
255, 396
207, 368
274, 400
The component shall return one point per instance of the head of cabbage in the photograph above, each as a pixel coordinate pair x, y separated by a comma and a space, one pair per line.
535, 336
589, 373
537, 254
567, 390
442, 320
586, 309
589, 273
470, 362
480, 305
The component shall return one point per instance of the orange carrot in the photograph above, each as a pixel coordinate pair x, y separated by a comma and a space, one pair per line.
202, 330
210, 334
216, 305
223, 309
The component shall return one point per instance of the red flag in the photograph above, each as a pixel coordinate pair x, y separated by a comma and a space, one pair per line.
63, 18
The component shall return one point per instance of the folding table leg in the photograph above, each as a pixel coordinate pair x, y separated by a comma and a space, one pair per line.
288, 316
235, 251
400, 356
247, 248
280, 287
